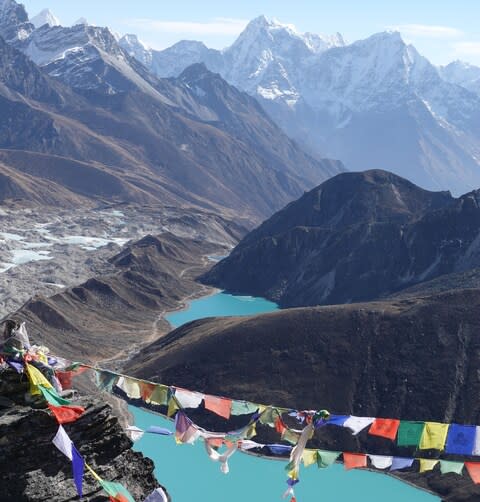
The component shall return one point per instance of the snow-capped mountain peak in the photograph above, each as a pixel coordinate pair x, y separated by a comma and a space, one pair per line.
45, 17
81, 20
464, 74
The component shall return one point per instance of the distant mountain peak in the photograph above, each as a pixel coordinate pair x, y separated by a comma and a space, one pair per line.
81, 20
45, 17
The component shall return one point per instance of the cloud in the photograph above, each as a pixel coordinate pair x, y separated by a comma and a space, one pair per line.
427, 31
217, 26
469, 48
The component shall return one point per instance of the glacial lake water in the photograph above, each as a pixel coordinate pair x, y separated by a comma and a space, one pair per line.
190, 475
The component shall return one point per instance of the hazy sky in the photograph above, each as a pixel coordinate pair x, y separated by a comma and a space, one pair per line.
442, 30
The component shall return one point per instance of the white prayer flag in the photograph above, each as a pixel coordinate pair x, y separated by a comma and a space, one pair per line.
63, 442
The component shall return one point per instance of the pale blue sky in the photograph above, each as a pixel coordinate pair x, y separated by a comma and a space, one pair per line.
442, 30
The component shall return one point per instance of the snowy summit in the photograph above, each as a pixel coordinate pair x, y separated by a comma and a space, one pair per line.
45, 17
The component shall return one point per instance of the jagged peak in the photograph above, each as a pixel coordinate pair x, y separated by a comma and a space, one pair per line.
81, 20
45, 16
132, 39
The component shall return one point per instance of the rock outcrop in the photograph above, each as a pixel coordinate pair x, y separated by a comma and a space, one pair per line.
356, 237
31, 467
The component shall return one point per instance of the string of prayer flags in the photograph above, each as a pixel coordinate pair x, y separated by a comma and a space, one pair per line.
409, 433
337, 420
399, 463
243, 408
447, 466
473, 469
354, 461
385, 427
434, 436
130, 387
380, 461
326, 458
461, 439
219, 405
65, 445
357, 424
159, 396
427, 464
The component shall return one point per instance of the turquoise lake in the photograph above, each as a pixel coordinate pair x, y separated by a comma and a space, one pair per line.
190, 475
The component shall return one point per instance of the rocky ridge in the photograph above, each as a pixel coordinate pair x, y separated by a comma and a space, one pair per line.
356, 237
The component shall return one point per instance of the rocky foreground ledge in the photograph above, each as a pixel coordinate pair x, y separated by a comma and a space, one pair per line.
32, 469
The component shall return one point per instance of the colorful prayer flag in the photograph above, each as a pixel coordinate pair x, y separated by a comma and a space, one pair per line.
51, 396
380, 461
36, 378
326, 458
219, 405
357, 424
66, 414
116, 491
65, 445
243, 408
427, 464
309, 457
354, 460
401, 463
473, 469
447, 466
159, 396
461, 439
188, 399
158, 495
409, 433
385, 427
434, 436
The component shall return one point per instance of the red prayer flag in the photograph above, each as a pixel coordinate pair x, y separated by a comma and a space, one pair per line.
385, 427
218, 405
146, 390
473, 469
216, 442
66, 414
354, 460
279, 425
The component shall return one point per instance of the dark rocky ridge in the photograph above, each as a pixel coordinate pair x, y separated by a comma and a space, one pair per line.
412, 358
32, 469
356, 237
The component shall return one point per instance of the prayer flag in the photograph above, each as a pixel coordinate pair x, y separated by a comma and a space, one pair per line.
385, 427
188, 399
309, 457
401, 463
326, 458
51, 396
409, 433
154, 429
219, 405
447, 466
130, 386
268, 416
434, 436
279, 449
290, 436
159, 395
116, 491
381, 461
105, 380
66, 414
65, 445
36, 379
135, 433
279, 425
172, 407
461, 439
157, 495
357, 424
337, 420
146, 390
354, 460
243, 408
473, 469
427, 464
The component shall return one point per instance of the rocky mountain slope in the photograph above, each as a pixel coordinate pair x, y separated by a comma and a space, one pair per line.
414, 359
46, 475
191, 141
373, 103
356, 237
463, 74
113, 314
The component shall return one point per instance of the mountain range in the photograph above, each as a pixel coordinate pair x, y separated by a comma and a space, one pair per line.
374, 103
82, 120
356, 237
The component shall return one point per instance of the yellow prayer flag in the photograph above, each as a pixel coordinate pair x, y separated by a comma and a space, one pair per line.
434, 436
309, 457
159, 395
427, 464
251, 431
172, 407
269, 416
290, 436
36, 378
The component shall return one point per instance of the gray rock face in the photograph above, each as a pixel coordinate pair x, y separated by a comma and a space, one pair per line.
14, 23
356, 237
31, 467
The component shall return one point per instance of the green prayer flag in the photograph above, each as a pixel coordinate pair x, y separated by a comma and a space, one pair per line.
114, 489
51, 396
243, 408
409, 433
269, 416
326, 458
447, 466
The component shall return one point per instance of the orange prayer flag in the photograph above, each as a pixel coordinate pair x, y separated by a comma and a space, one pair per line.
216, 442
354, 460
66, 414
218, 405
146, 390
385, 427
473, 469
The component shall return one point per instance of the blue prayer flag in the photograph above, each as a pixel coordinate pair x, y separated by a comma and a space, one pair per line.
461, 439
78, 466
